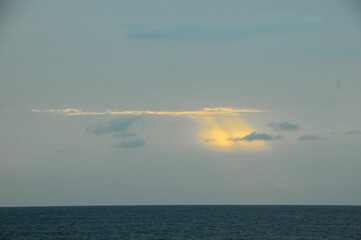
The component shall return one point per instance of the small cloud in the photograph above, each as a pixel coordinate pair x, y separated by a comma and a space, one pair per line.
209, 140
67, 151
190, 33
313, 19
352, 132
309, 138
332, 134
117, 127
284, 126
196, 33
254, 136
131, 143
338, 85
347, 133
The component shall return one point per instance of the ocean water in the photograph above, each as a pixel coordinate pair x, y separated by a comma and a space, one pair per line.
182, 222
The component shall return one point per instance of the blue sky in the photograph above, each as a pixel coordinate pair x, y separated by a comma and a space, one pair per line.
180, 102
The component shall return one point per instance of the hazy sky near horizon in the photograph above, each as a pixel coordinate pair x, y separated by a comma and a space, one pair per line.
180, 102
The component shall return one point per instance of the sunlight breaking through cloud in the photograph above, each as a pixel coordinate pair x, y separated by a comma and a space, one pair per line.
219, 132
218, 125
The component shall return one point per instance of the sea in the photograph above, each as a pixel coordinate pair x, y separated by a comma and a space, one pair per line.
182, 222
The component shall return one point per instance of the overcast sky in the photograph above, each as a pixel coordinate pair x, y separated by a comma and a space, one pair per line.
180, 102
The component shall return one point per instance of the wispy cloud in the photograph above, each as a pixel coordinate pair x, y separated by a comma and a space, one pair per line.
67, 151
313, 19
310, 138
332, 134
197, 33
202, 112
131, 143
117, 127
254, 136
284, 126
351, 132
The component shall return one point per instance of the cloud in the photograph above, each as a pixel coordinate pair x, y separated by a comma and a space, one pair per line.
209, 140
117, 127
120, 129
196, 33
333, 134
313, 19
190, 33
284, 126
347, 133
67, 151
254, 136
202, 112
352, 132
309, 138
131, 143
68, 112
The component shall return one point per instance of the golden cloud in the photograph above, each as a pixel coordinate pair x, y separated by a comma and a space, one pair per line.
202, 112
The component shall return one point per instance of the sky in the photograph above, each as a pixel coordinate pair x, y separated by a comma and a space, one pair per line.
180, 102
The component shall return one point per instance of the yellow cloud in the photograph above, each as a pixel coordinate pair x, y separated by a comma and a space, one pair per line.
202, 112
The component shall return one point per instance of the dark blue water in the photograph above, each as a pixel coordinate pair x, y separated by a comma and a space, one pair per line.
181, 222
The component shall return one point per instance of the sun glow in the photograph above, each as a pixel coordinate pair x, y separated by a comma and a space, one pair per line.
218, 132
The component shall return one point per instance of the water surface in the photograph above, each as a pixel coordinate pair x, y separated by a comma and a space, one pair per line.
182, 222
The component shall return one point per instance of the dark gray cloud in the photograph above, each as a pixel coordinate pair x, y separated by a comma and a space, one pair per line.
284, 126
119, 127
131, 143
254, 136
309, 138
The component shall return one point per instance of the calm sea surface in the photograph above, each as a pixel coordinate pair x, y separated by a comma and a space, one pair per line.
181, 222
